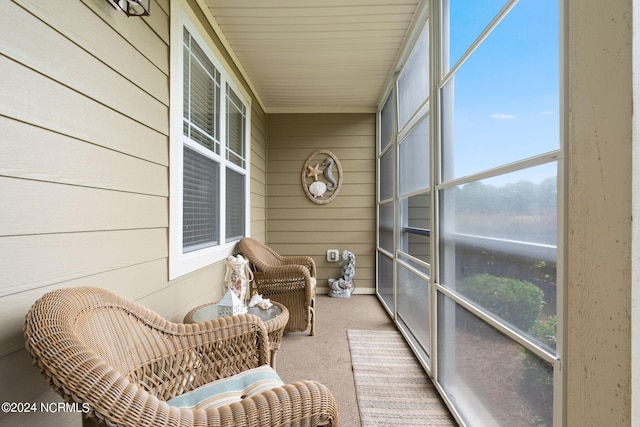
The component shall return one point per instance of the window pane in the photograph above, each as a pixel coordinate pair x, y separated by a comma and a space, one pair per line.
463, 21
413, 306
498, 248
386, 122
415, 236
385, 279
491, 378
235, 205
201, 96
502, 104
413, 84
387, 181
520, 206
386, 227
200, 204
236, 118
414, 159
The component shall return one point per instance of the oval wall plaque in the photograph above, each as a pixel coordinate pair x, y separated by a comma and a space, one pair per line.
321, 176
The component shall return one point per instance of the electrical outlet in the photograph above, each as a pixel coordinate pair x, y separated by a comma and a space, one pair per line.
333, 255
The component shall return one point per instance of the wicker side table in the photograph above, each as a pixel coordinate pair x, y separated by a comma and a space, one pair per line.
275, 319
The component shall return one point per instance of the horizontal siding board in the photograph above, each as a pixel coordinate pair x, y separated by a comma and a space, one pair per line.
322, 129
35, 207
27, 384
157, 22
163, 5
35, 99
132, 282
29, 262
258, 165
258, 193
303, 225
258, 171
345, 148
41, 48
59, 158
258, 228
151, 41
321, 214
344, 239
136, 54
318, 251
187, 292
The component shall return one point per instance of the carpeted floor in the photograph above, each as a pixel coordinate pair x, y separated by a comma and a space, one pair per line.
392, 388
326, 356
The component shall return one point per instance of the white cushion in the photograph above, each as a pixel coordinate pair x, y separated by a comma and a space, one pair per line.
229, 390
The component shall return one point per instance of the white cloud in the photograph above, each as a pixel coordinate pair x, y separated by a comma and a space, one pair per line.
503, 116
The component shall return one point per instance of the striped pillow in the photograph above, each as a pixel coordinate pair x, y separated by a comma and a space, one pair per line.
229, 390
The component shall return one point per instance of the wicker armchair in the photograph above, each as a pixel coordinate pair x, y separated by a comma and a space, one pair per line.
290, 280
122, 362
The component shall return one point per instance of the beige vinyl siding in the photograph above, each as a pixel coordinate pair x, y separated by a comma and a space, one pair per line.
258, 172
295, 224
83, 166
84, 156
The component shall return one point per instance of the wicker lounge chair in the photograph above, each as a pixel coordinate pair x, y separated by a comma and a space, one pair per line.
290, 280
123, 363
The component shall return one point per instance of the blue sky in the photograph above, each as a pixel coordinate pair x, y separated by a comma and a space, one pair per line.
507, 92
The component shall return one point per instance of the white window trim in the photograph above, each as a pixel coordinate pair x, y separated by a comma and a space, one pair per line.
183, 263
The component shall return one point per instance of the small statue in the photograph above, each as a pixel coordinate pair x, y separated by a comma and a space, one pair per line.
344, 287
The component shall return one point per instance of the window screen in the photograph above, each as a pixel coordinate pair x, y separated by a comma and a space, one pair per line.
235, 211
235, 128
201, 103
200, 201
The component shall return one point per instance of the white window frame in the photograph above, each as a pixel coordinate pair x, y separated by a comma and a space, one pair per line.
181, 263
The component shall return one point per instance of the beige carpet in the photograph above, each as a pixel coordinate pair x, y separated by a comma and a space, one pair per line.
392, 388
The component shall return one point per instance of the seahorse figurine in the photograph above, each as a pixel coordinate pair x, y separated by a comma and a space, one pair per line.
328, 174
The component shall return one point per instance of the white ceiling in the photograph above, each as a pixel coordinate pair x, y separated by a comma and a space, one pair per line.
316, 55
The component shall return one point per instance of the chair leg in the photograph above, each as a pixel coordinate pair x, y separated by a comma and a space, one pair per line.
312, 314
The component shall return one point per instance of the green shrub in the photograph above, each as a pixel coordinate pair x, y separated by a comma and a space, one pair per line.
516, 301
537, 375
545, 331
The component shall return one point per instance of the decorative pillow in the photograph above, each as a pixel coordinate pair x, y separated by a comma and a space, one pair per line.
229, 390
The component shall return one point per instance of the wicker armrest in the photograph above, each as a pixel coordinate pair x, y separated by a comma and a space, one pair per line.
304, 260
306, 403
293, 271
